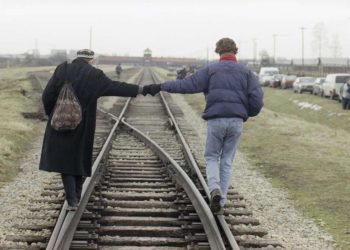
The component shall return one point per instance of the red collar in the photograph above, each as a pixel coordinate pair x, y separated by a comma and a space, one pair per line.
228, 58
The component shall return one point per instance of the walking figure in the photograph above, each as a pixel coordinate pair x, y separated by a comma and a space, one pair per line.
345, 92
232, 95
70, 152
118, 70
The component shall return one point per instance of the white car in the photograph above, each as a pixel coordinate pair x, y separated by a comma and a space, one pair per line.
266, 74
304, 84
332, 84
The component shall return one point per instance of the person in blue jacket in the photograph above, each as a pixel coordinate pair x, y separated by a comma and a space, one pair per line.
232, 95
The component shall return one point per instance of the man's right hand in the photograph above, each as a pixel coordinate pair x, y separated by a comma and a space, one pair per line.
151, 89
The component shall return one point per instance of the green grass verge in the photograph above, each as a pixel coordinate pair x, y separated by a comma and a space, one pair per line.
15, 131
304, 151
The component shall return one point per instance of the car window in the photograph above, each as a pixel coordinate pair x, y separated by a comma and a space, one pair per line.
290, 78
308, 79
342, 79
319, 81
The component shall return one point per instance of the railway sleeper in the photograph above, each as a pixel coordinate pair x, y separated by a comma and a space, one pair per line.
141, 190
247, 230
140, 204
117, 195
140, 221
137, 184
120, 211
256, 243
131, 179
131, 242
145, 230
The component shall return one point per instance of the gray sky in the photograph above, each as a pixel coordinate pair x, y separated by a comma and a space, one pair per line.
172, 28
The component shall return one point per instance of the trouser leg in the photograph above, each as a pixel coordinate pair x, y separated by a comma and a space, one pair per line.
228, 153
345, 103
69, 185
212, 154
78, 186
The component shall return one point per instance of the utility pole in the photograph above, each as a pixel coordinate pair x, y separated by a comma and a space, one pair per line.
254, 49
302, 46
274, 48
90, 38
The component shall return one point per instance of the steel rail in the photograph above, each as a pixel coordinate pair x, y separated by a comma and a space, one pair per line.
182, 179
68, 221
192, 162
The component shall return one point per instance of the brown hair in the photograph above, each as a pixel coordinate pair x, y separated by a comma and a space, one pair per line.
226, 45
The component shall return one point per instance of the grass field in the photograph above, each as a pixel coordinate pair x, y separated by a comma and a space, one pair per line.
15, 131
304, 151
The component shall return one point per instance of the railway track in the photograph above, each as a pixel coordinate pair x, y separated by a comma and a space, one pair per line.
140, 195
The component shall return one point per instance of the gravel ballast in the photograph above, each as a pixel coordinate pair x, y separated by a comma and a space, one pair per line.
270, 205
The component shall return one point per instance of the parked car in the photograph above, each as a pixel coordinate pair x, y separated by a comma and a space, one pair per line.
276, 81
287, 81
304, 84
318, 86
266, 74
332, 84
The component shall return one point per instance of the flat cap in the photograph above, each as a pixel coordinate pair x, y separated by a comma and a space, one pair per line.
86, 53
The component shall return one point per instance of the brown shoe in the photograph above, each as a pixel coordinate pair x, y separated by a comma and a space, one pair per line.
215, 200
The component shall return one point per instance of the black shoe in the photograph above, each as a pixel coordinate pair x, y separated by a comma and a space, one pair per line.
220, 212
215, 201
72, 207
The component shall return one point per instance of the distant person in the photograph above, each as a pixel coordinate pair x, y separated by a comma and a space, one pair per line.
345, 101
181, 74
119, 70
70, 153
232, 94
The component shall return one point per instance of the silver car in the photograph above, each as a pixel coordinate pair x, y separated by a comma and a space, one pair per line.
304, 84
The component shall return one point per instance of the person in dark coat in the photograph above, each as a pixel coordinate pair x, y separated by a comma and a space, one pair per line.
181, 74
232, 94
118, 70
70, 153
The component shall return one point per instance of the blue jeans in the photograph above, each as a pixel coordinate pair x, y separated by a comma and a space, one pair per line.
222, 140
345, 102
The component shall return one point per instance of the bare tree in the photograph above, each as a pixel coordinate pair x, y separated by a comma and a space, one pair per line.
265, 58
335, 46
320, 40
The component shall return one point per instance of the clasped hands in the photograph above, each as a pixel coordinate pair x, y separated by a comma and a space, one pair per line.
151, 89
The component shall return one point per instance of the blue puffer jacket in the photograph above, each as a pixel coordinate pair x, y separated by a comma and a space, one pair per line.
231, 90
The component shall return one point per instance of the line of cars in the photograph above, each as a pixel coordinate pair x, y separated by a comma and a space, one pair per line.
330, 86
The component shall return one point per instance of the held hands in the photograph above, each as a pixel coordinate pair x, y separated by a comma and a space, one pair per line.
151, 89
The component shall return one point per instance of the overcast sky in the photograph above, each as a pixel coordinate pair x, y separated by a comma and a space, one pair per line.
183, 28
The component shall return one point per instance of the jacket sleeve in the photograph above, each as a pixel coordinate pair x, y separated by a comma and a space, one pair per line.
107, 87
255, 95
196, 83
50, 94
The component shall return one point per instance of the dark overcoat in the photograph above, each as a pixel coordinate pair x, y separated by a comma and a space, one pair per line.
71, 152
